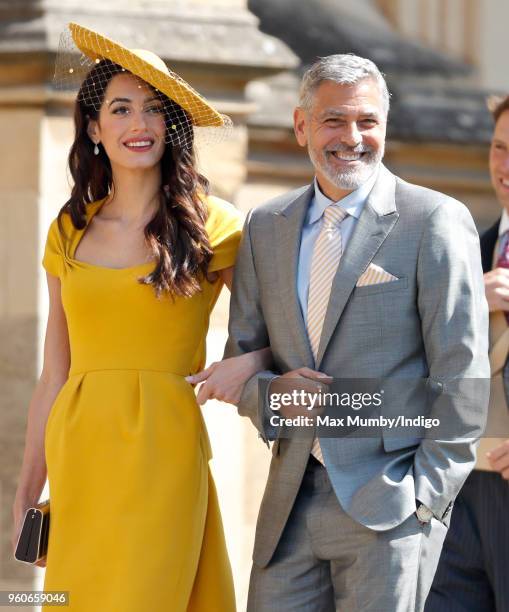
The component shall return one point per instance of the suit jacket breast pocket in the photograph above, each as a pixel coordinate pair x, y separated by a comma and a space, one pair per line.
381, 288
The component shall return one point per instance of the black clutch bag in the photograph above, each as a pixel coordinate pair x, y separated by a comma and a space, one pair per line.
33, 539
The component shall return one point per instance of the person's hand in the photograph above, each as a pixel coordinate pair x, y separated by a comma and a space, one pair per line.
16, 530
499, 459
496, 287
225, 380
18, 514
311, 382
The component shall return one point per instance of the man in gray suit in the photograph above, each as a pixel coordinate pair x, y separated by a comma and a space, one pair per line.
358, 275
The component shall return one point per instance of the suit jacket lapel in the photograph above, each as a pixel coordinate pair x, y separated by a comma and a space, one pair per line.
376, 221
489, 241
289, 221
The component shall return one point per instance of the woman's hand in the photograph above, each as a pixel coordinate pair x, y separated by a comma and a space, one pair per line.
18, 514
225, 380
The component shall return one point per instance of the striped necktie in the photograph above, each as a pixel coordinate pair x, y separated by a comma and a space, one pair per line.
326, 255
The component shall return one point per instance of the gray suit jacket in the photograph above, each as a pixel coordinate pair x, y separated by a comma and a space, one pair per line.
431, 323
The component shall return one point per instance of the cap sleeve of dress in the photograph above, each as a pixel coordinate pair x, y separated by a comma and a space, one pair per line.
52, 260
224, 227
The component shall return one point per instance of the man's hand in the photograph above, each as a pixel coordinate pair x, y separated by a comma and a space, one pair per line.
496, 286
302, 379
499, 459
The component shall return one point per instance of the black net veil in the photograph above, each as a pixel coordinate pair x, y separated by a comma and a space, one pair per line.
86, 62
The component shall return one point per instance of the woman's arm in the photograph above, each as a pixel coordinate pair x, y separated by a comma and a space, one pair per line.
227, 276
224, 380
54, 373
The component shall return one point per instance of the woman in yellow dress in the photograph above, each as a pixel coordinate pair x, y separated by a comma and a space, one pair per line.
135, 262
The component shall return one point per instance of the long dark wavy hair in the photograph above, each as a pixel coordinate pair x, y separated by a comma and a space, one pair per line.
176, 234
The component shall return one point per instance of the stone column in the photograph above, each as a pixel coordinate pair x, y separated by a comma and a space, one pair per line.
19, 301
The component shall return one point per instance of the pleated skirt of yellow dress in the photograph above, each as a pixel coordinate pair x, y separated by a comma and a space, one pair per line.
135, 521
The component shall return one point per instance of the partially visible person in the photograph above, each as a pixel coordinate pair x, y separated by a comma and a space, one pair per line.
472, 572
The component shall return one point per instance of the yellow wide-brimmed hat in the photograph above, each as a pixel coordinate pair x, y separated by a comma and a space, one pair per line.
151, 68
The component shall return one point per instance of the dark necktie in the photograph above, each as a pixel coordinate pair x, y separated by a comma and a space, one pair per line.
503, 259
503, 262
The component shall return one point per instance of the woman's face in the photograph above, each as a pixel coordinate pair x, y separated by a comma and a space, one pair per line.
130, 125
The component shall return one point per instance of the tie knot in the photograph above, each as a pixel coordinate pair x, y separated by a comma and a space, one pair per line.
333, 215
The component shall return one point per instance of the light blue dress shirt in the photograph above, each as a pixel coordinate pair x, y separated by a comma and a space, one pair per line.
353, 204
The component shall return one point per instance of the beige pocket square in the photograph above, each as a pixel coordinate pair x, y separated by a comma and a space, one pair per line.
374, 275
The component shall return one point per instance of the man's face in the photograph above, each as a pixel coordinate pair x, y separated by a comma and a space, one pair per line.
499, 159
344, 131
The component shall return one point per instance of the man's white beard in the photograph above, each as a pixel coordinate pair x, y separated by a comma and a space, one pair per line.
352, 178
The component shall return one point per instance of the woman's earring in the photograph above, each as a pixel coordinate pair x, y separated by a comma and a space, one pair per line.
96, 149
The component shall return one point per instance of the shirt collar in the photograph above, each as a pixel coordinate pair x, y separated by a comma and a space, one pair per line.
353, 203
504, 223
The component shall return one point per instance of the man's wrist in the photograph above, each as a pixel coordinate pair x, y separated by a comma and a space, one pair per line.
264, 358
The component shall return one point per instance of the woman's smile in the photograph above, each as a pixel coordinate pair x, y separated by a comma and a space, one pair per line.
139, 145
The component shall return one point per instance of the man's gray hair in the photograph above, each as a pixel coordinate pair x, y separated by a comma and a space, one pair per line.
344, 69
